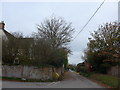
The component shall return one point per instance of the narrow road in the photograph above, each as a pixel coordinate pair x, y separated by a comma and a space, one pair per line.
72, 80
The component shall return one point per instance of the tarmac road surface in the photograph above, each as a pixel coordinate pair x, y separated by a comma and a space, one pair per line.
71, 80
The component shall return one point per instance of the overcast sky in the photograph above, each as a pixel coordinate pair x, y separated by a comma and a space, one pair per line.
23, 17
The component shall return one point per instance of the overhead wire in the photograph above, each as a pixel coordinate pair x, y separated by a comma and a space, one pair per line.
89, 20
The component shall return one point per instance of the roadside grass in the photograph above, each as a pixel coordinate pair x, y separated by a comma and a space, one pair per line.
106, 79
27, 80
86, 74
103, 78
11, 78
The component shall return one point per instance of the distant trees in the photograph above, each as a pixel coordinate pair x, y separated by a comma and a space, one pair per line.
72, 67
104, 47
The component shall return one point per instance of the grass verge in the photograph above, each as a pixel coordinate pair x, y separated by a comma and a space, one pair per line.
27, 80
105, 79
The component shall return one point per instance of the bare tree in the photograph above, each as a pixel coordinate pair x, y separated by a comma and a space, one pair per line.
57, 31
50, 42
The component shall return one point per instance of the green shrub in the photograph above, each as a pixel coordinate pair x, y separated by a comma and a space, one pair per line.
86, 74
83, 69
104, 67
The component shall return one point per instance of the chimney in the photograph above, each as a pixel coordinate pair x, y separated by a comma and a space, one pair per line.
2, 25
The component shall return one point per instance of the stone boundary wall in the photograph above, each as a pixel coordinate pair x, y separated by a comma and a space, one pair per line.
30, 72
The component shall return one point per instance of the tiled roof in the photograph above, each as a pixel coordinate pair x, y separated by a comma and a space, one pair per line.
8, 35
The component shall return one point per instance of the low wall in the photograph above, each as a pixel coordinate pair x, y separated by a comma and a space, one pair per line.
30, 72
115, 71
